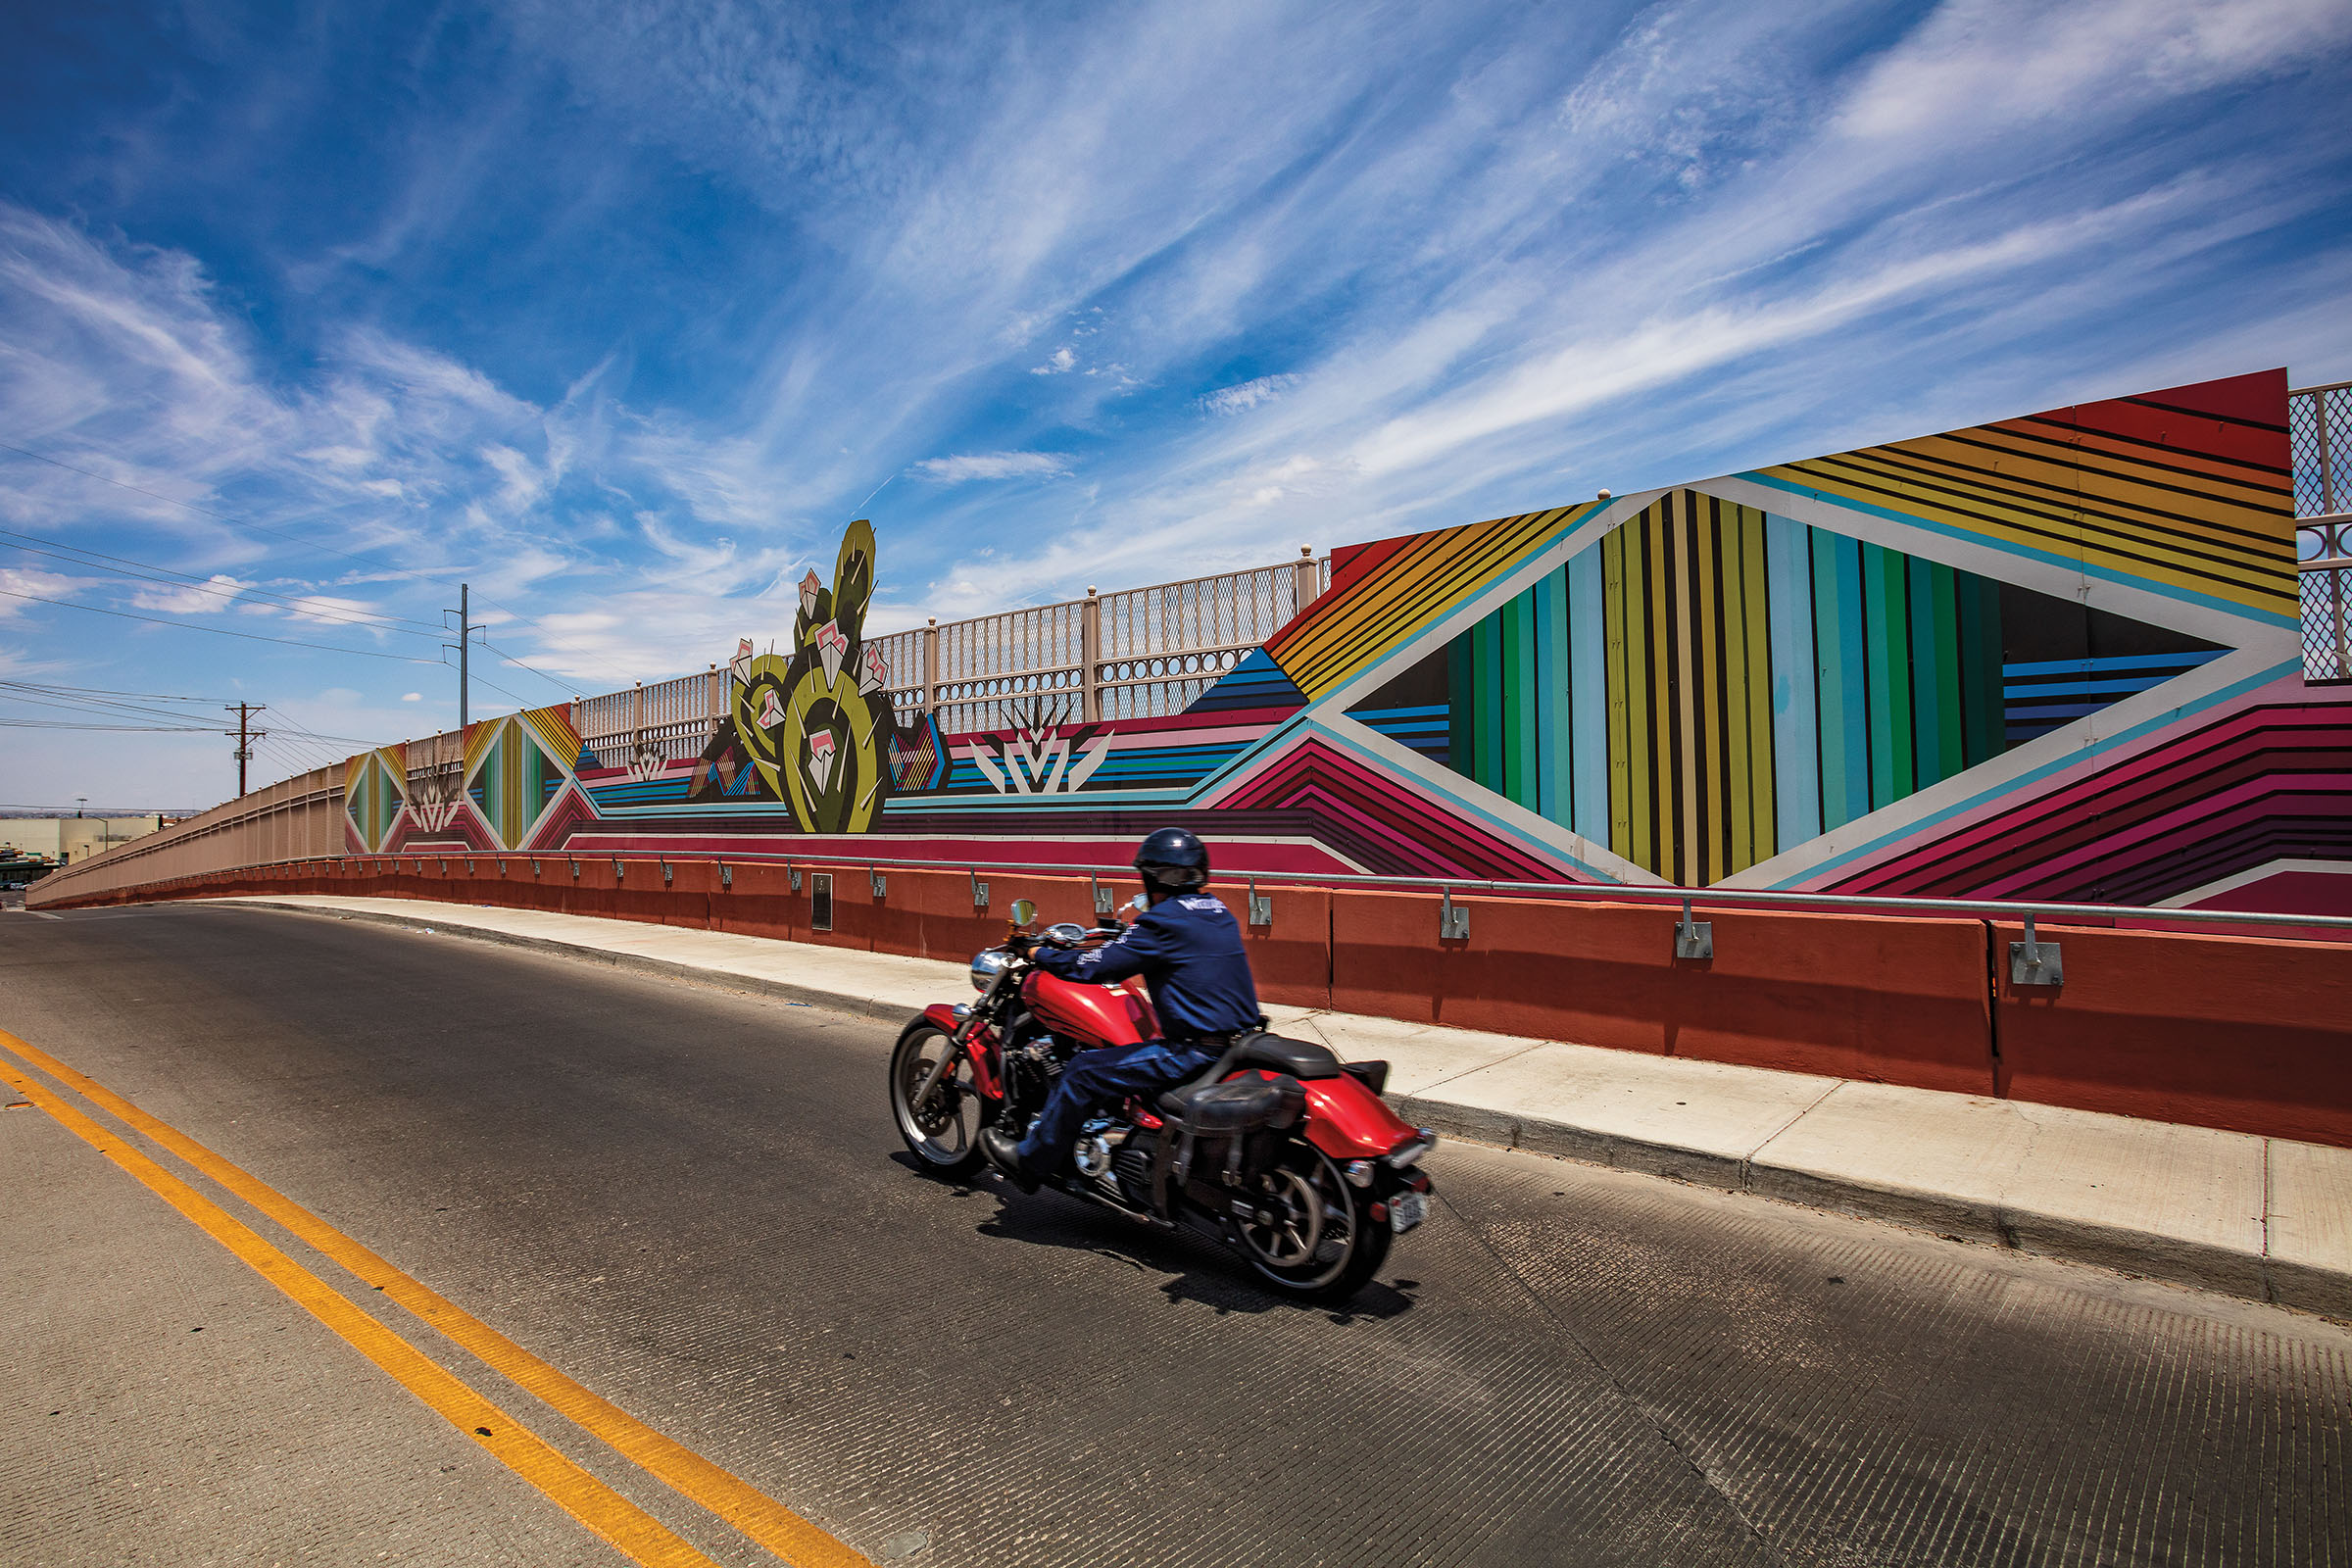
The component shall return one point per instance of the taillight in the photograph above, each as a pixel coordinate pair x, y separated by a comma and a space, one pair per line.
1410, 1152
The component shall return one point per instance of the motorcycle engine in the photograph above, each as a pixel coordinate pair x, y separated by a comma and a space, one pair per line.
1092, 1154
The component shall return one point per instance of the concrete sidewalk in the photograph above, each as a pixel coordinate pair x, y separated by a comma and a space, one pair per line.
2258, 1217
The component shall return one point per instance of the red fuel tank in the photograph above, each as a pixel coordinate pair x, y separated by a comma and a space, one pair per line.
1092, 1015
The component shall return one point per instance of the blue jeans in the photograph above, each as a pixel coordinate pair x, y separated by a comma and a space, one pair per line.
1105, 1076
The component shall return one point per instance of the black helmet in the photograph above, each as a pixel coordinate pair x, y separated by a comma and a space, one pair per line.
1172, 861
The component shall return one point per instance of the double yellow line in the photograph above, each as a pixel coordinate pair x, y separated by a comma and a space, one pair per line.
579, 1494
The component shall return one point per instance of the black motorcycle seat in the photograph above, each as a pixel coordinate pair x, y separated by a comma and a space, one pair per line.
1241, 1105
1300, 1058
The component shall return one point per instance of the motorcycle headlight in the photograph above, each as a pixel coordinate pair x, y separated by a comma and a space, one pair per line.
987, 965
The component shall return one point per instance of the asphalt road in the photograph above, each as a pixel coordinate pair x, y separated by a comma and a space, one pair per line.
693, 1202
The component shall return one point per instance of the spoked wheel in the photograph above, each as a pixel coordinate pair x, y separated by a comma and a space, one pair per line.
945, 1133
1312, 1236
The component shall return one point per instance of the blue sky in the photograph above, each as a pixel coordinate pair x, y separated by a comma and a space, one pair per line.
619, 312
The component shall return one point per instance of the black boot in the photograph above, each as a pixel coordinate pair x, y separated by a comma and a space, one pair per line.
1005, 1155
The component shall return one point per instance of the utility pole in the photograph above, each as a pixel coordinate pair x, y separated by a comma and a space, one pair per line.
246, 736
465, 631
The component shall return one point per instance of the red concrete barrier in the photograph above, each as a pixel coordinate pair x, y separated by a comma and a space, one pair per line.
2245, 1033
588, 884
755, 898
642, 893
1896, 1000
1291, 956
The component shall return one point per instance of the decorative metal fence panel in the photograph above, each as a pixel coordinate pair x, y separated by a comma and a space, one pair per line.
2319, 423
1149, 651
2323, 561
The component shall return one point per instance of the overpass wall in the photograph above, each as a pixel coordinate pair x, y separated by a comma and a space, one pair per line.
2248, 1034
295, 818
2062, 656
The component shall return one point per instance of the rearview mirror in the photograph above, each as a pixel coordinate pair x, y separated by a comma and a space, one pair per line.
1023, 911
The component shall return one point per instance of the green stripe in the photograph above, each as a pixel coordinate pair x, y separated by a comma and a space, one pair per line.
1984, 724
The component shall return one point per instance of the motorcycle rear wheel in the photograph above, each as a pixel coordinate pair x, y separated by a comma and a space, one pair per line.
945, 1137
1323, 1252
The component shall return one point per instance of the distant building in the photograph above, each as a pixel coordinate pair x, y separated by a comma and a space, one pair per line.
70, 840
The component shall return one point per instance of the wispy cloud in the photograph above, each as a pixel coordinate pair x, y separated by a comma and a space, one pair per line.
1247, 395
992, 465
1501, 256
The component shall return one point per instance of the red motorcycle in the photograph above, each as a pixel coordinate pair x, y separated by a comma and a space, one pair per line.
1281, 1151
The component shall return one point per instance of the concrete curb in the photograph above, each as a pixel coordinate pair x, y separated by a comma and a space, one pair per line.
2141, 1254
2179, 1261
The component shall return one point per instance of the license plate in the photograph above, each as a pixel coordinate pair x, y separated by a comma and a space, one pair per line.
1406, 1210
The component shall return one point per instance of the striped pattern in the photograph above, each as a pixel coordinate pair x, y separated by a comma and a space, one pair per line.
512, 779
2038, 695
374, 788
2266, 782
1256, 683
2189, 489
1709, 685
1426, 729
1386, 824
1383, 594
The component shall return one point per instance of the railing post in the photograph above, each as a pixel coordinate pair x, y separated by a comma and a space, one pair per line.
931, 667
1306, 581
1090, 648
2336, 598
2319, 408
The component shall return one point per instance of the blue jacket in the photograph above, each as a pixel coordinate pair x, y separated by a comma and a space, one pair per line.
1189, 952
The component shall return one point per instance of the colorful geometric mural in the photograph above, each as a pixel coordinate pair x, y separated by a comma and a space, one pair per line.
374, 789
2053, 656
1662, 691
515, 774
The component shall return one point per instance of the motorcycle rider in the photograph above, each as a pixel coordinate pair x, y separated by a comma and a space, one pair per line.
1188, 948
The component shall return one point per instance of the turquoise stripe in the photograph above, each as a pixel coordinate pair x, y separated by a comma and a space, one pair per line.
1795, 734
1887, 634
1588, 696
1551, 697
1841, 661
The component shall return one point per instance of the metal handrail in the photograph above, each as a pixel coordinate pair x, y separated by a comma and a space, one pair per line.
1616, 892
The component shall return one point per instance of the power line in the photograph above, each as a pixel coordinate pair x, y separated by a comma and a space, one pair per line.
103, 691
562, 686
217, 631
147, 571
118, 729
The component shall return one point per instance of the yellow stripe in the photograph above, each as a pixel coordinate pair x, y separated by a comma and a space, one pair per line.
737, 1501
579, 1494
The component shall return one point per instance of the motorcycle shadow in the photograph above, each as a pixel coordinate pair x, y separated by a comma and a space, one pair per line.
1198, 1269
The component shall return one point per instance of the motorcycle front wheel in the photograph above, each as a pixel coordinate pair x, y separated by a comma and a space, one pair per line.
945, 1134
1313, 1236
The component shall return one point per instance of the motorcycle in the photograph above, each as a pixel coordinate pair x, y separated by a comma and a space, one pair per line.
1280, 1150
